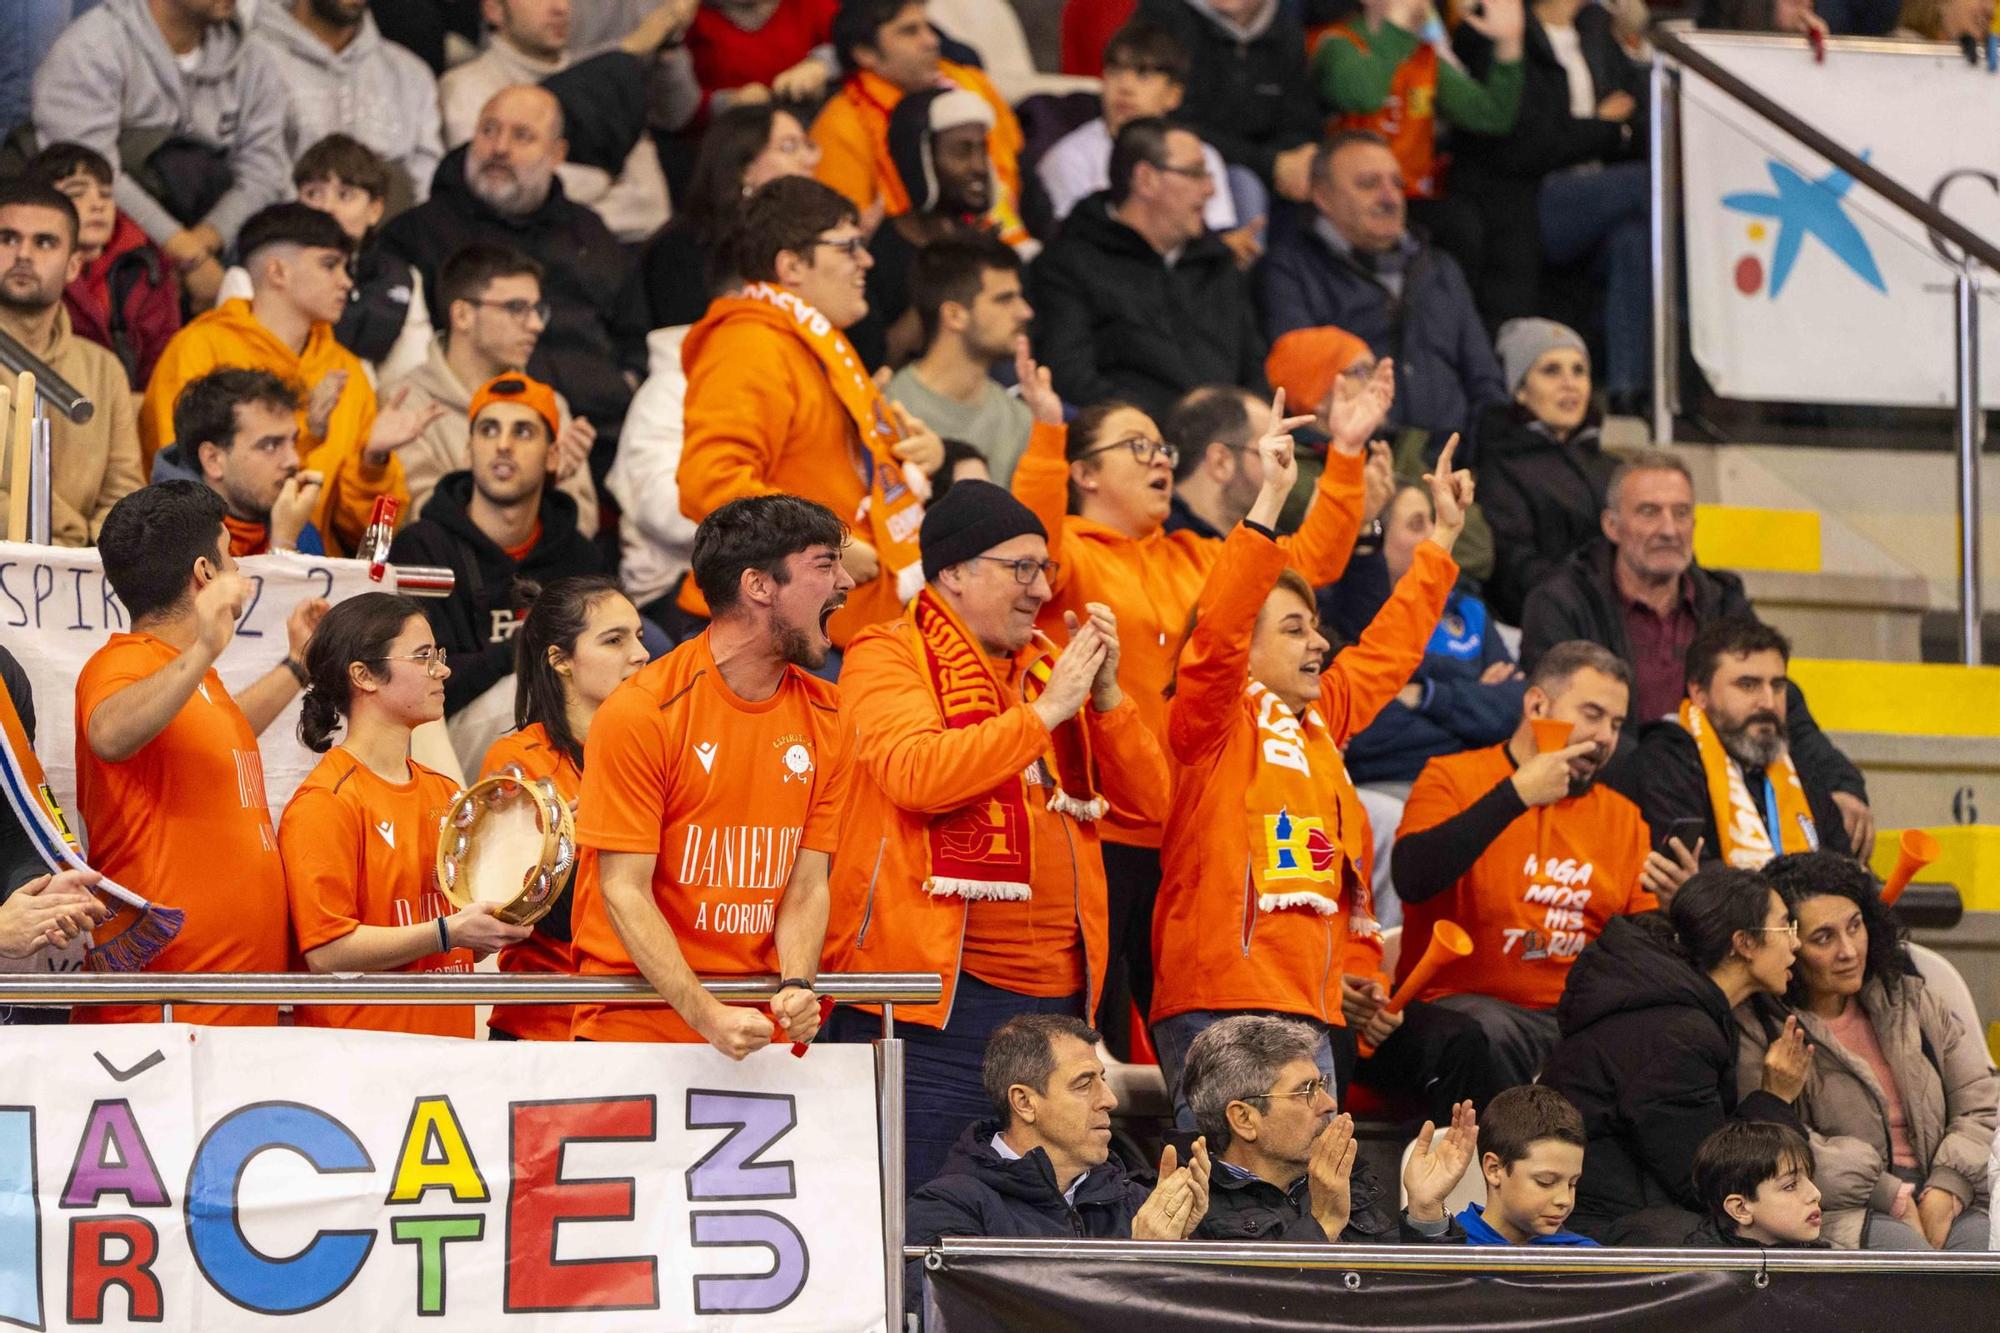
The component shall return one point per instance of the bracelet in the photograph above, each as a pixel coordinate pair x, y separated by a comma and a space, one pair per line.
444, 936
298, 670
790, 982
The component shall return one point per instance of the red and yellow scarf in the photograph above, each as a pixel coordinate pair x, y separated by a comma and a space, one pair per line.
894, 510
1306, 840
983, 849
1739, 824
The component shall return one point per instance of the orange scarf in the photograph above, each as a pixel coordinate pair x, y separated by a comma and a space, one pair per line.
894, 509
983, 849
1739, 824
1295, 859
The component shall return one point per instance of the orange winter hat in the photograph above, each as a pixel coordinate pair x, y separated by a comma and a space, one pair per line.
1306, 362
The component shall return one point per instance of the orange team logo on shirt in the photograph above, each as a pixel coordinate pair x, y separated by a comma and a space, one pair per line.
1561, 889
1297, 847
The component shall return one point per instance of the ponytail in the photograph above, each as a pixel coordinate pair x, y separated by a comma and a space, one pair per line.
557, 618
360, 629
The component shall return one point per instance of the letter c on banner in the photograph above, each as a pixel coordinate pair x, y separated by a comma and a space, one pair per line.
234, 1267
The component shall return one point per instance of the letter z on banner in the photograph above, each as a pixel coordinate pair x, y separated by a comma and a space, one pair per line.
218, 1179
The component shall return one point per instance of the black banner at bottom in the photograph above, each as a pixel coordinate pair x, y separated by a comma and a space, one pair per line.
987, 1294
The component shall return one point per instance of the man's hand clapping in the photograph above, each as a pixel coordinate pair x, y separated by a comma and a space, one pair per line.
1074, 675
1178, 1203
1438, 1162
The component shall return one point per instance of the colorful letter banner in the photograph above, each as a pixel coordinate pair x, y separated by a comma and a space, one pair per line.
222, 1179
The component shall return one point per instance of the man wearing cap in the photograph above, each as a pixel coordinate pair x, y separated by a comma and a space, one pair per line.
983, 768
501, 520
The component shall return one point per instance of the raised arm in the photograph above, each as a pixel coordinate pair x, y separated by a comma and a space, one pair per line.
1324, 543
126, 722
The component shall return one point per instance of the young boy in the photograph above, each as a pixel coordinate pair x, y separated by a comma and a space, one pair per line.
126, 297
386, 323
1755, 1184
1531, 1153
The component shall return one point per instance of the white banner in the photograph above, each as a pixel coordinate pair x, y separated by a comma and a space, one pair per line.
56, 609
219, 1179
1806, 287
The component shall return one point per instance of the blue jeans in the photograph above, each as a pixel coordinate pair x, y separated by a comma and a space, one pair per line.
1603, 218
943, 1091
1173, 1036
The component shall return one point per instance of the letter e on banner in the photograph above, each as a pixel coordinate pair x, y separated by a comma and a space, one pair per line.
540, 1201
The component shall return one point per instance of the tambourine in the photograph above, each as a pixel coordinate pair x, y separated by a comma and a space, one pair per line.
508, 841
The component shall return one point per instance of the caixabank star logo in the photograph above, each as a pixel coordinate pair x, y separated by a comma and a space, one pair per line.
1801, 208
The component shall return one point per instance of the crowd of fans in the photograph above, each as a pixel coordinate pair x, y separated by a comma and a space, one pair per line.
1069, 547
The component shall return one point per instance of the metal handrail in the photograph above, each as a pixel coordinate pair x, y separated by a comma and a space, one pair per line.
1460, 1259
77, 988
1968, 241
58, 392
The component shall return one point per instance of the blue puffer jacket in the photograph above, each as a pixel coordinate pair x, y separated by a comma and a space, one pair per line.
1457, 712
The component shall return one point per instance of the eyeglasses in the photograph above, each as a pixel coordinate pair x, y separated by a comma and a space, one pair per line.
1310, 1092
1197, 172
853, 247
1025, 570
432, 660
1789, 928
1144, 448
521, 308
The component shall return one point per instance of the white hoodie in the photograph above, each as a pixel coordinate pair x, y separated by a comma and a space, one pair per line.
111, 72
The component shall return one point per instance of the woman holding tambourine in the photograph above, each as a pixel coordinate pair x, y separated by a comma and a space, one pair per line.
359, 839
579, 642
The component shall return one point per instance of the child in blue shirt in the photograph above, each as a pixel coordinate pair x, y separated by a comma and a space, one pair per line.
1531, 1152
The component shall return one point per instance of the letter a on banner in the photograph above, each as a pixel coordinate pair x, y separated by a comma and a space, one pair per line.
436, 1156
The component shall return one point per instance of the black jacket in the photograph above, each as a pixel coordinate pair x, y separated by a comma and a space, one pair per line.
1112, 320
1544, 500
1648, 1055
1546, 137
19, 861
597, 322
476, 624
981, 1193
1446, 372
1579, 601
1251, 99
379, 305
1711, 1235
1666, 779
1249, 1208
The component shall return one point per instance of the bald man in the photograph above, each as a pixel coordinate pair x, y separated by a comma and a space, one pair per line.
501, 187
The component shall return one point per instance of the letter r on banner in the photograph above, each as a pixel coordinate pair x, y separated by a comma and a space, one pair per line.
540, 1201
92, 1271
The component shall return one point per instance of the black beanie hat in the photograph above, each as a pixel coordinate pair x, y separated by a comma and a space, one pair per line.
972, 518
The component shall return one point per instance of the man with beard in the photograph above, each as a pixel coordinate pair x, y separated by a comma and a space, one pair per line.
966, 292
237, 433
341, 75
501, 188
1640, 593
971, 847
95, 464
1520, 847
714, 783
1721, 769
499, 521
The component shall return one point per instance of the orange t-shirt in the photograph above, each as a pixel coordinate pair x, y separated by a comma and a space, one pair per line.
162, 822
676, 767
1529, 913
363, 852
530, 751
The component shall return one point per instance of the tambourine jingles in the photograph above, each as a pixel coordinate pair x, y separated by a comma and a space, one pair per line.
508, 841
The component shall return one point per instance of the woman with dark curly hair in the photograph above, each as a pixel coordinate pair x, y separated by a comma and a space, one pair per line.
1900, 1100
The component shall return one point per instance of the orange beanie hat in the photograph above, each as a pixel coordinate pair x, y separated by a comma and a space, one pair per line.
1306, 362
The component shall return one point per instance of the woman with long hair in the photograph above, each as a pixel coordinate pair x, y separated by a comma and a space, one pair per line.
1648, 1048
1900, 1100
359, 839
580, 641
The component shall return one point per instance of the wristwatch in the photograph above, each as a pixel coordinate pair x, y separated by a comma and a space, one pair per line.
298, 670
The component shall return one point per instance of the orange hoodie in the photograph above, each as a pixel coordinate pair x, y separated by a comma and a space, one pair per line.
852, 132
761, 419
1258, 900
910, 768
231, 335
1151, 583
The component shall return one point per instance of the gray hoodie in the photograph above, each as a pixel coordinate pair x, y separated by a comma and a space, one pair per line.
111, 72
374, 90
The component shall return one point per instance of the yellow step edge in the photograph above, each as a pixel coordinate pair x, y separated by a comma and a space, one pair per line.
1901, 698
1968, 856
1745, 537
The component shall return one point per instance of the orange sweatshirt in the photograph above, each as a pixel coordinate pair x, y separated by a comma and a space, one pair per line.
852, 132
1266, 862
231, 335
761, 419
911, 768
1151, 583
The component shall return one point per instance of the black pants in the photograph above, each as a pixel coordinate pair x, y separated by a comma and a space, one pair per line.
1439, 1057
1132, 881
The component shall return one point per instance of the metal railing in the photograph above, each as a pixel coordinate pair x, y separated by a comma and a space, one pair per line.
1671, 54
887, 989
